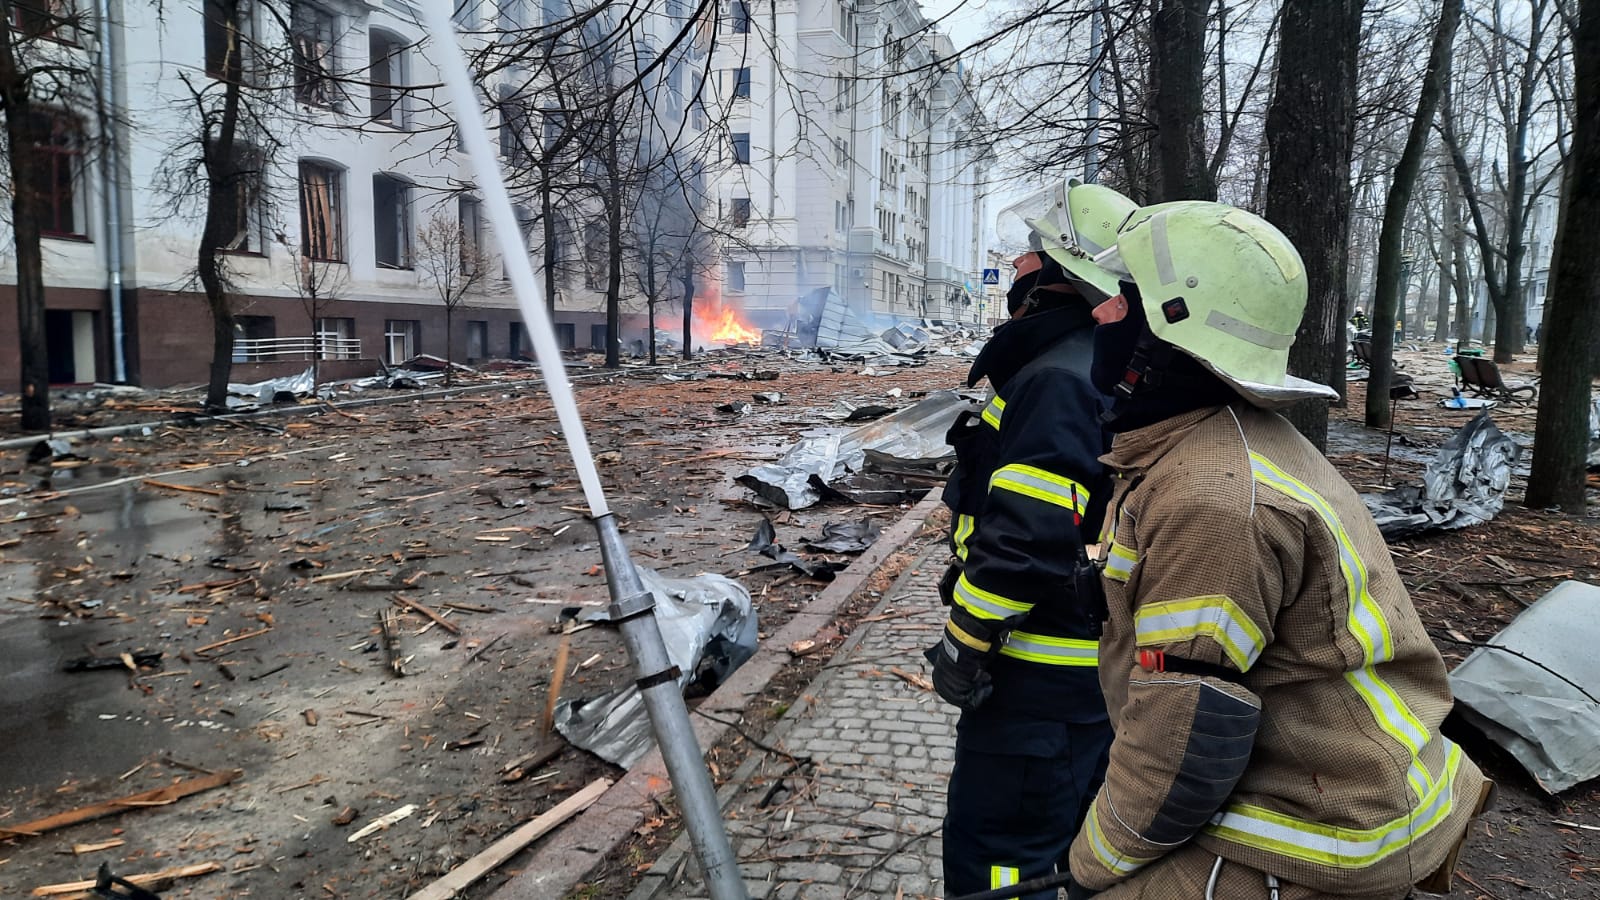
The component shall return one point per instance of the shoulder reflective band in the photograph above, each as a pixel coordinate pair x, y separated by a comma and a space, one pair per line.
1330, 845
1364, 621
1120, 562
1031, 481
1115, 862
1215, 617
987, 605
1051, 651
965, 526
994, 411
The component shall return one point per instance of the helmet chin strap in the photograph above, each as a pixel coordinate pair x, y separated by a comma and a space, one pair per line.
1145, 373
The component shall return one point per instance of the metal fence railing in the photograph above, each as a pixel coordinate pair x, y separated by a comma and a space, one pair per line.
322, 346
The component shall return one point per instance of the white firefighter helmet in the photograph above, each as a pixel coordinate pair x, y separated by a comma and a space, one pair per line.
1224, 286
1071, 222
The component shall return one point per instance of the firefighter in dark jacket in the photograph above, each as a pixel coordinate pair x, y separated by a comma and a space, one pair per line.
1018, 654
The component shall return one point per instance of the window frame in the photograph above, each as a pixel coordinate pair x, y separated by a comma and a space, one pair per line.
733, 268
740, 142
739, 17
58, 139
335, 213
469, 218
396, 68
739, 211
403, 202
56, 26
741, 83
315, 75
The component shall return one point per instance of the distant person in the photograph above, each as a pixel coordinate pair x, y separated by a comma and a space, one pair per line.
1360, 321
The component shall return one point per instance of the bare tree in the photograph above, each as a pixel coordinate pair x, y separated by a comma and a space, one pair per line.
317, 283
1309, 126
1390, 287
1177, 74
450, 260
1561, 436
31, 79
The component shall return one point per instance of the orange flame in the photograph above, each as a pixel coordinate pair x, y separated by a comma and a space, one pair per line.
724, 325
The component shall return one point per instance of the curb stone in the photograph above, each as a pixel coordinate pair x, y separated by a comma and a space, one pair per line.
567, 857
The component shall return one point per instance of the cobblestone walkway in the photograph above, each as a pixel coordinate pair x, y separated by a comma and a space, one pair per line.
854, 808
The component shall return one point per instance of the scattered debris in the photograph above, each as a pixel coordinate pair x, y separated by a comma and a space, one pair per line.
382, 823
523, 766
105, 883
164, 796
765, 544
768, 397
709, 626
1532, 688
846, 537
287, 389
468, 873
51, 449
1464, 485
141, 659
736, 408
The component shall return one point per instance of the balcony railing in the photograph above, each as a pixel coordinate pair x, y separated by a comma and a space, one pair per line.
295, 348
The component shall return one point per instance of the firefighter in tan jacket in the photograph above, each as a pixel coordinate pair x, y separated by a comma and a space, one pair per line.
1275, 698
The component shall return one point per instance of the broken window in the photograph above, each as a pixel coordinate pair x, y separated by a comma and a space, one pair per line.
388, 76
739, 17
741, 148
741, 82
513, 125
243, 182
736, 276
739, 212
391, 221
58, 139
470, 217
321, 212
315, 63
400, 339
52, 19
229, 37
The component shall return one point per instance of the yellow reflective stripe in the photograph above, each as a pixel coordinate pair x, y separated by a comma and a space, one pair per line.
965, 637
987, 604
1003, 876
1365, 621
993, 412
1329, 845
965, 526
1051, 651
1120, 562
1115, 862
1032, 481
1215, 617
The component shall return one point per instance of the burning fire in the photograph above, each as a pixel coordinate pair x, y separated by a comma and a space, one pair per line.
724, 325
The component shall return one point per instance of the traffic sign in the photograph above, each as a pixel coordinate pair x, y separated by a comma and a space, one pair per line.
991, 276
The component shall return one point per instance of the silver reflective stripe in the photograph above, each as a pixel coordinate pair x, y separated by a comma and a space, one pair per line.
1244, 331
1211, 617
1162, 249
1051, 651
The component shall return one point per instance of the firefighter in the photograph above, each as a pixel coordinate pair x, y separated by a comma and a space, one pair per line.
1360, 321
1275, 698
1018, 653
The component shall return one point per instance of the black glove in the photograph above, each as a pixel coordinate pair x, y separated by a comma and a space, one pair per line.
947, 584
961, 659
1076, 891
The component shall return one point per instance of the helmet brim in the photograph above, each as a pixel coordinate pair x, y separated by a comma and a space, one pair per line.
1272, 396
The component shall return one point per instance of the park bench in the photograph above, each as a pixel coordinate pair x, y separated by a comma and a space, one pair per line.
1482, 376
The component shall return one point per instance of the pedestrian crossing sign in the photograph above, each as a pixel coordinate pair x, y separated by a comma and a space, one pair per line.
991, 276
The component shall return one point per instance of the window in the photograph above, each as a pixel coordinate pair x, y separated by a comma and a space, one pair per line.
53, 19
841, 93
314, 59
400, 339
248, 180
466, 15
391, 221
736, 276
331, 331
739, 212
59, 141
513, 124
321, 212
248, 332
521, 341
594, 255
741, 82
469, 216
513, 14
566, 335
741, 147
477, 340
386, 54
697, 104
229, 35
555, 122
739, 17
553, 11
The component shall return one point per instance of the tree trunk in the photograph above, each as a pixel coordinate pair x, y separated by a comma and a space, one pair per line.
688, 311
22, 145
1446, 262
1390, 288
650, 300
614, 249
1561, 435
1310, 127
550, 244
1177, 71
222, 198
449, 344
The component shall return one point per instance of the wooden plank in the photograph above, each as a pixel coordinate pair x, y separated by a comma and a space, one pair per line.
144, 880
465, 875
187, 489
439, 620
172, 793
233, 640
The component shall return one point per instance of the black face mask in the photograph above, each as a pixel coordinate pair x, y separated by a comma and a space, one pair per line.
1114, 343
